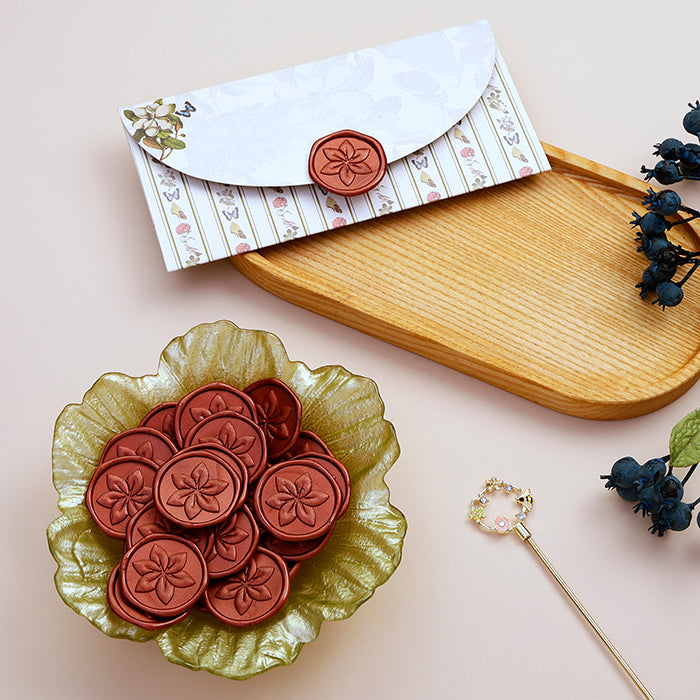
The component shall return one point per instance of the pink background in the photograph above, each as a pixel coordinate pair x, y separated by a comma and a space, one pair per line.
84, 292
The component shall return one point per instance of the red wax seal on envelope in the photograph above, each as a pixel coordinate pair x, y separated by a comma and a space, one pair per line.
347, 163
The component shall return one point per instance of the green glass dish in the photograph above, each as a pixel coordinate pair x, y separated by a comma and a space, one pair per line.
364, 550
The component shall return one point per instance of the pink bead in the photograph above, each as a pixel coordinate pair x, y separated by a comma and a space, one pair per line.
502, 523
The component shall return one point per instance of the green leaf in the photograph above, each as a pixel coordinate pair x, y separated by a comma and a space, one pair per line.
129, 114
684, 444
174, 119
139, 134
170, 142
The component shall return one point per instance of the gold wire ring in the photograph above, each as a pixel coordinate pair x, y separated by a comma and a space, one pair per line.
502, 524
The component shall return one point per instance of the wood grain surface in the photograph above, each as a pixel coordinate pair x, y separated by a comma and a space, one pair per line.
528, 286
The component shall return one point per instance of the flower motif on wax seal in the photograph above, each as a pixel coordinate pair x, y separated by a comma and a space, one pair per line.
247, 586
272, 417
347, 162
228, 537
197, 492
125, 496
238, 444
296, 499
162, 573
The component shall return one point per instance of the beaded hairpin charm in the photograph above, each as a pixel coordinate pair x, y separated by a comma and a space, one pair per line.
503, 525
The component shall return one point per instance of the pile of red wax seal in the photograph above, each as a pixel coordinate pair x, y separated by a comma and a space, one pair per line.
219, 498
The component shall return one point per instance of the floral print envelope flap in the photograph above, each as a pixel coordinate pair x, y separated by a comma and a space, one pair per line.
227, 169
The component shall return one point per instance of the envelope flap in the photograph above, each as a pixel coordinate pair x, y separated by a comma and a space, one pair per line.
258, 131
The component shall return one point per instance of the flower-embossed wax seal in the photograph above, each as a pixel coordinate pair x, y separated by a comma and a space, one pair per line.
307, 442
150, 521
297, 500
294, 551
196, 489
347, 163
118, 490
252, 595
234, 541
279, 414
141, 442
240, 436
206, 401
162, 419
337, 471
122, 607
163, 575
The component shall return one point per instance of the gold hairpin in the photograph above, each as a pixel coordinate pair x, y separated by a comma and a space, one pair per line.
503, 525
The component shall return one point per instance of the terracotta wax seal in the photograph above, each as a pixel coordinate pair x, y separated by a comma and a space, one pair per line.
196, 489
234, 463
347, 163
337, 470
150, 521
118, 490
239, 435
279, 414
294, 551
122, 607
205, 402
297, 500
306, 443
163, 575
234, 542
162, 419
141, 442
252, 595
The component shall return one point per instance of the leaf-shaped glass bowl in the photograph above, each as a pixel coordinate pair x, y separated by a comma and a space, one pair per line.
364, 550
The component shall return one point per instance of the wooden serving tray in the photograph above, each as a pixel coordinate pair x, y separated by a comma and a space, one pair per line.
528, 285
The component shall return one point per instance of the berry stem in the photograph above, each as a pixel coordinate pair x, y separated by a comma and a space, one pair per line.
689, 474
695, 266
689, 210
683, 221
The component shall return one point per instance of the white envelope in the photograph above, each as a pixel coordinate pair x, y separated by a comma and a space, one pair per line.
225, 169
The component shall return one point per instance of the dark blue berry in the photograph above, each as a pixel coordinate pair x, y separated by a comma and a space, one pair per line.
629, 494
623, 473
665, 171
651, 472
661, 272
651, 224
648, 283
647, 503
651, 247
668, 149
689, 156
666, 202
679, 517
669, 491
669, 294
691, 121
